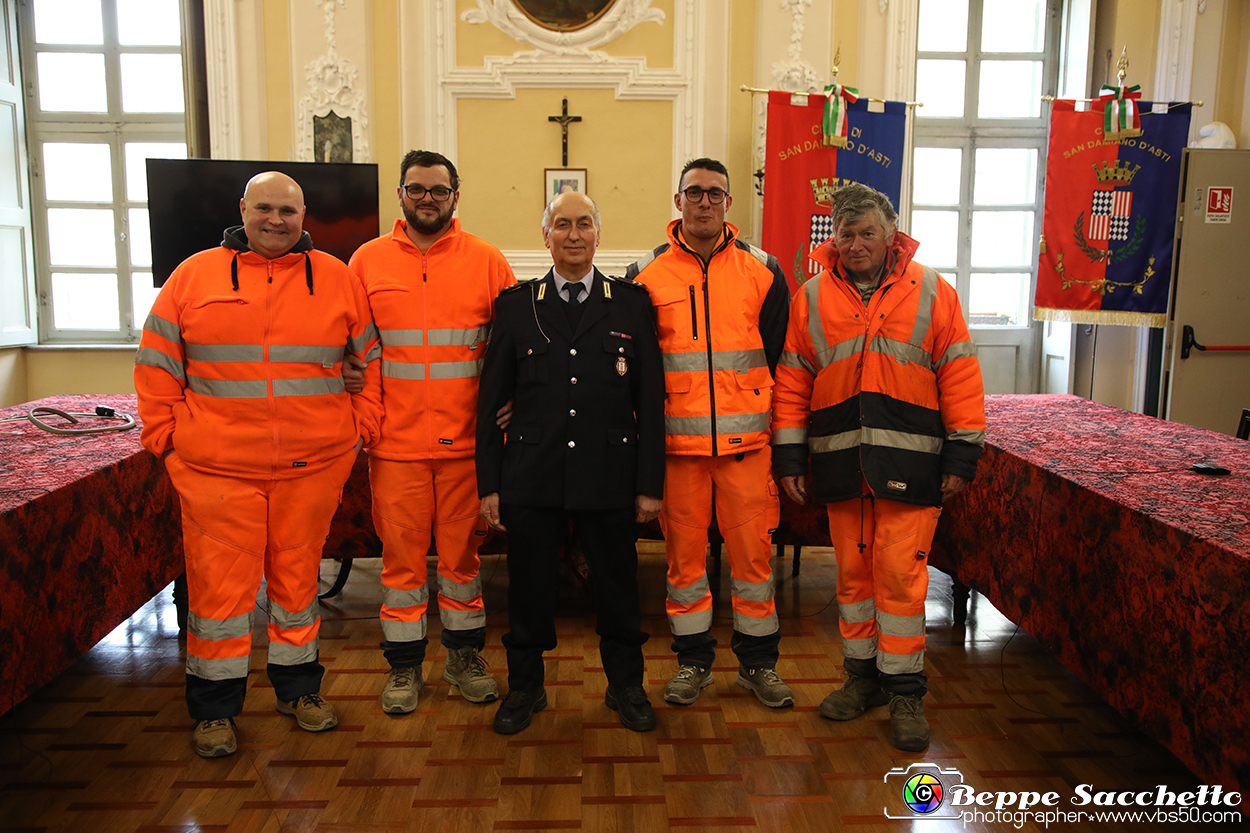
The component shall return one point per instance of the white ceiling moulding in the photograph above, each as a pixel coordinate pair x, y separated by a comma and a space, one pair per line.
567, 61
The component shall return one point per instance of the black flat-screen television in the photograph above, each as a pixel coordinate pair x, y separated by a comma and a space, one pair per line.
192, 201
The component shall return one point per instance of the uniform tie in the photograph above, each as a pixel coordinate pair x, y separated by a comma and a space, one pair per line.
574, 306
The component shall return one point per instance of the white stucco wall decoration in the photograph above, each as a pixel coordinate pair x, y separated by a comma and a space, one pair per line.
332, 87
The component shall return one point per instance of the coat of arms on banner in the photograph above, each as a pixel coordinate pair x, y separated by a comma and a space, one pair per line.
1110, 214
821, 227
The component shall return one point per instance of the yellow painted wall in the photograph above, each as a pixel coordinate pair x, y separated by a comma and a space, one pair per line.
1131, 23
278, 79
89, 370
13, 376
626, 147
1231, 104
846, 39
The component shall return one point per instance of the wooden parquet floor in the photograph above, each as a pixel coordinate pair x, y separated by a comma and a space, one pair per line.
106, 746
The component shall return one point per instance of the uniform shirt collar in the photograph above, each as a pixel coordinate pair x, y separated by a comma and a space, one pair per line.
562, 282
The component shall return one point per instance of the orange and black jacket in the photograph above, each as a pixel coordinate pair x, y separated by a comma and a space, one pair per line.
889, 393
433, 311
240, 363
722, 325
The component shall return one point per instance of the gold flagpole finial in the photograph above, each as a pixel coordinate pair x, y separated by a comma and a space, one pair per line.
1122, 66
837, 61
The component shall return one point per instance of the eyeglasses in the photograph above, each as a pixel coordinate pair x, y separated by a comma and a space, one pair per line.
716, 196
440, 193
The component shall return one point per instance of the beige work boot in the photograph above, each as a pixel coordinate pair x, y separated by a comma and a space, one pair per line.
857, 695
403, 689
686, 684
467, 671
312, 713
908, 729
769, 688
215, 738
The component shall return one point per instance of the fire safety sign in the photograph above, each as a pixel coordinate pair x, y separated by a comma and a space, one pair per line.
1220, 204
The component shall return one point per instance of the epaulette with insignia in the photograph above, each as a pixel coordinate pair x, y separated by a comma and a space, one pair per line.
516, 286
626, 282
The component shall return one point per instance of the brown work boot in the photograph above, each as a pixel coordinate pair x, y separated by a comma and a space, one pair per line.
908, 728
768, 688
312, 713
466, 669
215, 738
403, 688
857, 695
686, 684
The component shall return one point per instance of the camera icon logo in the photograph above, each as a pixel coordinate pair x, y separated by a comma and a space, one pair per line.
923, 791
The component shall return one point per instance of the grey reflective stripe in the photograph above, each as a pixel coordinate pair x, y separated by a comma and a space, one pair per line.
162, 327
797, 361
228, 388
752, 626
900, 663
402, 370
226, 668
309, 353
689, 595
759, 254
966, 435
288, 619
789, 436
456, 370
462, 620
215, 630
752, 591
736, 360
958, 350
901, 350
683, 624
394, 631
815, 331
402, 338
359, 342
894, 625
857, 612
282, 654
224, 352
725, 424
466, 592
860, 648
375, 353
316, 386
924, 312
643, 262
841, 350
157, 358
393, 598
834, 442
901, 439
459, 338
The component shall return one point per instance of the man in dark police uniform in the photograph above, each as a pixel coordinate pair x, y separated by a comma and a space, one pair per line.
578, 353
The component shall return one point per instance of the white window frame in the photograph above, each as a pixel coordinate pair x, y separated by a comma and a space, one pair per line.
114, 128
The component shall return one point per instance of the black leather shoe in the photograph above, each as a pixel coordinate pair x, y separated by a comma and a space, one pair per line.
517, 710
632, 705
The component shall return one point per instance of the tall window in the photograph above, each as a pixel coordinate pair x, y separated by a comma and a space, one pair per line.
980, 139
104, 93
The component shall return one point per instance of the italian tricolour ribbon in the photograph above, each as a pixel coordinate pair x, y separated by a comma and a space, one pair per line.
834, 125
1121, 119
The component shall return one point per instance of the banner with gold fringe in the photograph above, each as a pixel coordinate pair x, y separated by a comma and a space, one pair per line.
1110, 212
801, 173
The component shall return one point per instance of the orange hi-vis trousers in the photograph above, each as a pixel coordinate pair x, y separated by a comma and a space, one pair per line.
882, 586
236, 531
411, 501
747, 512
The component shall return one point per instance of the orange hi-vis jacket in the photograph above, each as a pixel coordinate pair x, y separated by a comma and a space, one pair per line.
722, 325
240, 363
890, 392
433, 311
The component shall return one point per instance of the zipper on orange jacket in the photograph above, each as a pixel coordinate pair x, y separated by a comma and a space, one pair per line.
273, 405
707, 325
694, 316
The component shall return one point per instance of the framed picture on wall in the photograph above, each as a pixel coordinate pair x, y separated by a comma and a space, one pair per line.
558, 180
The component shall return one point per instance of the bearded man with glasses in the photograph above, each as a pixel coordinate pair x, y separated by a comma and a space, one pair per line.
722, 307
432, 287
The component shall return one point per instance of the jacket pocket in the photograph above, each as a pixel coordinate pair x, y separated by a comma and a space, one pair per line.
209, 300
757, 379
531, 362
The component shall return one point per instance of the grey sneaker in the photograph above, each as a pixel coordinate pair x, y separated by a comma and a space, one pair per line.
403, 689
686, 684
215, 738
857, 695
908, 728
312, 713
768, 687
467, 671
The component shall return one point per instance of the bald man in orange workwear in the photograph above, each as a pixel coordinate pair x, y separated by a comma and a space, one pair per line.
240, 393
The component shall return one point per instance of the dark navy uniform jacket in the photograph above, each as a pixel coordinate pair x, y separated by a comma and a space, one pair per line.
587, 429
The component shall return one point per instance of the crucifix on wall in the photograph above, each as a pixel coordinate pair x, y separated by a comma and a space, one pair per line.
564, 119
